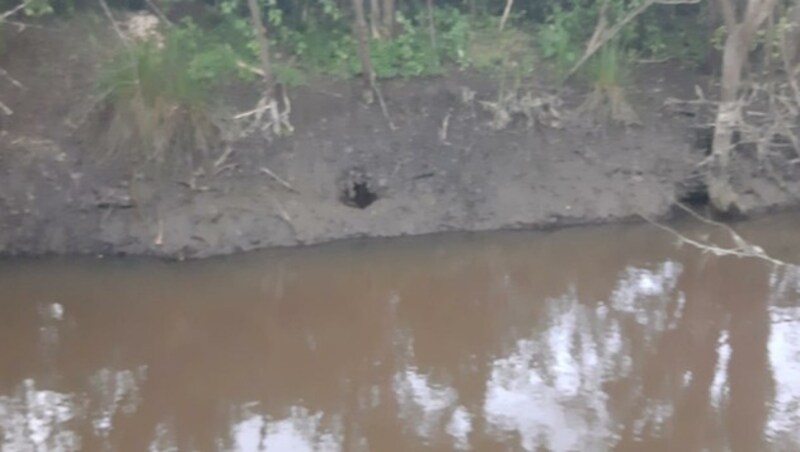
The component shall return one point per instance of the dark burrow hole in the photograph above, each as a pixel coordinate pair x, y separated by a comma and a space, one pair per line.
693, 192
703, 139
358, 194
697, 196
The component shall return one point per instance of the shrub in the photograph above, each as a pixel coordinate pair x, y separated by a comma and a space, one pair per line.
562, 37
158, 95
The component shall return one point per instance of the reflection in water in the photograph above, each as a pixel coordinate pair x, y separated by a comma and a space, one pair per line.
300, 431
36, 419
783, 427
580, 340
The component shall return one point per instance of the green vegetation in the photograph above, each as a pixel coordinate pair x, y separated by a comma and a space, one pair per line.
158, 93
609, 70
158, 90
315, 38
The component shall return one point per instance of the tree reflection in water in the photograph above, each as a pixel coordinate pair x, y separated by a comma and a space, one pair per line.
603, 339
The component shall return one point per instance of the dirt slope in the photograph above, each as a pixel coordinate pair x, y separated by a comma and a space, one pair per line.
58, 196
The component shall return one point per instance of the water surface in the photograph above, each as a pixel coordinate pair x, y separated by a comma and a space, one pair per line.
585, 339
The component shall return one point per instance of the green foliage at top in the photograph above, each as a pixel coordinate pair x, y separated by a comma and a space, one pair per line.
661, 32
563, 35
158, 94
315, 37
185, 68
326, 44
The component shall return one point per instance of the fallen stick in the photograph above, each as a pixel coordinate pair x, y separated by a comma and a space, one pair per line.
743, 247
278, 179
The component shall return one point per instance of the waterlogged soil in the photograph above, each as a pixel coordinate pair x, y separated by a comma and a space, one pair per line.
346, 171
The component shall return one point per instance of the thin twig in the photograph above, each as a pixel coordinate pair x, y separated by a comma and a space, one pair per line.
382, 103
14, 10
159, 239
11, 79
284, 215
743, 247
114, 23
157, 11
249, 67
278, 179
443, 129
7, 111
256, 111
222, 158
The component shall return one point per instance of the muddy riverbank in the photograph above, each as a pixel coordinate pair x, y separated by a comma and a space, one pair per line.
345, 172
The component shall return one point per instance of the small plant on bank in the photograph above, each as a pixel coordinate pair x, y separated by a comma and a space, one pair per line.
608, 72
158, 93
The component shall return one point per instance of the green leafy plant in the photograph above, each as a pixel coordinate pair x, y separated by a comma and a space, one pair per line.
158, 95
408, 54
453, 30
563, 35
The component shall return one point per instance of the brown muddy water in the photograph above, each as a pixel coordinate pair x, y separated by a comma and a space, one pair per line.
591, 339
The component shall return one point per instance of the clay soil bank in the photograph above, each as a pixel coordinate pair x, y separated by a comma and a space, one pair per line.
443, 167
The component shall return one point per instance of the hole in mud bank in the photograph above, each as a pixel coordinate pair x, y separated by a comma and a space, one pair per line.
356, 190
360, 196
694, 193
695, 198
703, 139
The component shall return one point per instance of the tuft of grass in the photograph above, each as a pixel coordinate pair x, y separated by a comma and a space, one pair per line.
158, 94
609, 68
609, 71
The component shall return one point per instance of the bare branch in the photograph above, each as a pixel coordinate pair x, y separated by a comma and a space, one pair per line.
157, 11
278, 179
742, 248
6, 111
14, 10
506, 13
117, 29
11, 79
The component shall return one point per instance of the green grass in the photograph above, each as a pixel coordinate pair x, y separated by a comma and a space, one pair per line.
609, 72
158, 96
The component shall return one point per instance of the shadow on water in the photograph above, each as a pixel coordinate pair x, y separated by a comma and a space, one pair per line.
600, 338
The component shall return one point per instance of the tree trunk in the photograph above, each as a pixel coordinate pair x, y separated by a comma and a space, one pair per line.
432, 25
388, 17
375, 18
734, 57
363, 43
263, 47
506, 12
791, 38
